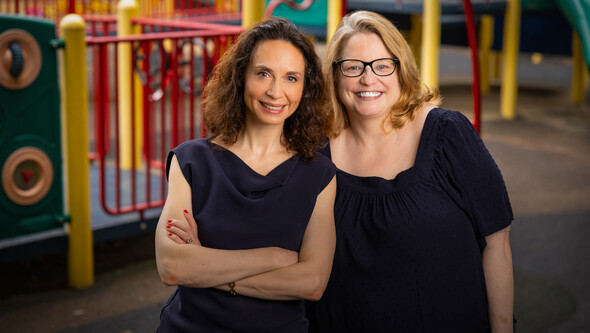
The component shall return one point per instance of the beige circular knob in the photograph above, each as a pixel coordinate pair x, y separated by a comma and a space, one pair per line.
31, 54
27, 176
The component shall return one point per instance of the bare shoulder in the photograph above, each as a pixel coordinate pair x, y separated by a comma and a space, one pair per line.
420, 118
424, 111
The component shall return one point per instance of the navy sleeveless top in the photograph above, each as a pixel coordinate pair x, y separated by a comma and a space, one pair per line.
408, 250
237, 208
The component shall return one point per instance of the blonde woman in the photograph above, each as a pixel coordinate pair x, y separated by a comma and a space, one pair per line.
422, 213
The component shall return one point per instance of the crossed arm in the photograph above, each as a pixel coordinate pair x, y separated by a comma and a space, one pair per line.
269, 273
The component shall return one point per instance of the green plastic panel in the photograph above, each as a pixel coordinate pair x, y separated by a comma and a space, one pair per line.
315, 16
30, 120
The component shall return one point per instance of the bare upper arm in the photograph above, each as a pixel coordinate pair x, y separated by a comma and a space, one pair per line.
499, 240
320, 235
178, 199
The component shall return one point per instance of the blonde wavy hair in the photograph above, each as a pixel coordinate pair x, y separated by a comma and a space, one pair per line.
413, 92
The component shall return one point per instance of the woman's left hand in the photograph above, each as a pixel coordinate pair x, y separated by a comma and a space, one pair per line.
183, 232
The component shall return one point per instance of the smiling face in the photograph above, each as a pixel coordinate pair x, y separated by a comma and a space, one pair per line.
273, 82
369, 95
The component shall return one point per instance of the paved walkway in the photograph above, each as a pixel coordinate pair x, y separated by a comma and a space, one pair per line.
545, 159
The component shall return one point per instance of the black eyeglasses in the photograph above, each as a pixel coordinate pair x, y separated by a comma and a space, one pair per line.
355, 68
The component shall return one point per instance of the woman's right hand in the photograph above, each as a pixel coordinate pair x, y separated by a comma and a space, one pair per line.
183, 232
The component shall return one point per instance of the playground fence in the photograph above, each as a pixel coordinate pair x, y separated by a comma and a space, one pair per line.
146, 99
55, 9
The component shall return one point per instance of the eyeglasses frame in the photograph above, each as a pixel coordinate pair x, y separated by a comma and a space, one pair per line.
365, 64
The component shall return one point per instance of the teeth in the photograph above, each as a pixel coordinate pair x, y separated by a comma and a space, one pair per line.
369, 94
274, 108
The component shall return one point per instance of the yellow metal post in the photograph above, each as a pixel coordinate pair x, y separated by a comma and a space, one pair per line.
416, 35
486, 37
509, 88
80, 252
430, 42
252, 11
334, 16
580, 71
144, 7
169, 7
496, 63
126, 10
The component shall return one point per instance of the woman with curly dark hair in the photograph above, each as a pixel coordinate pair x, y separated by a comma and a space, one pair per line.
260, 193
225, 109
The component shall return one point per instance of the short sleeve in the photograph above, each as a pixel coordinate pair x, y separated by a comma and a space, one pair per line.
472, 176
325, 170
194, 160
183, 162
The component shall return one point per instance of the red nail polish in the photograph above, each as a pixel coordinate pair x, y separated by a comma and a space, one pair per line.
186, 211
169, 221
170, 235
168, 226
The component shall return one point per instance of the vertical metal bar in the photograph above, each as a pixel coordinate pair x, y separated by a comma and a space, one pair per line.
97, 93
146, 46
191, 109
71, 6
203, 84
174, 114
472, 37
252, 11
509, 88
80, 253
117, 132
182, 95
163, 146
430, 42
101, 137
579, 70
133, 139
334, 16
107, 94
486, 33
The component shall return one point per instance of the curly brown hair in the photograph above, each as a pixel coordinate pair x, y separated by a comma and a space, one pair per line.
413, 92
224, 110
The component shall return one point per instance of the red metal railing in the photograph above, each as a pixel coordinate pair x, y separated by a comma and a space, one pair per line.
56, 9
169, 67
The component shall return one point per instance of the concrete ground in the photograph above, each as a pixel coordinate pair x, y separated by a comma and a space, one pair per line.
544, 156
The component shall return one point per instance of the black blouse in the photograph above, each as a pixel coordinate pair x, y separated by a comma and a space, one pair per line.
408, 251
237, 208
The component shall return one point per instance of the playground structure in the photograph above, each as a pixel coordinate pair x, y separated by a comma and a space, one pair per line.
56, 9
137, 70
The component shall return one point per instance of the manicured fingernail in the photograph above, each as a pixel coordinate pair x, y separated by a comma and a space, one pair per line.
170, 235
186, 211
169, 221
168, 226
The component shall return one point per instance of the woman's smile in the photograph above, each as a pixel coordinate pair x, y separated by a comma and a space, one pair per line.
273, 108
368, 94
